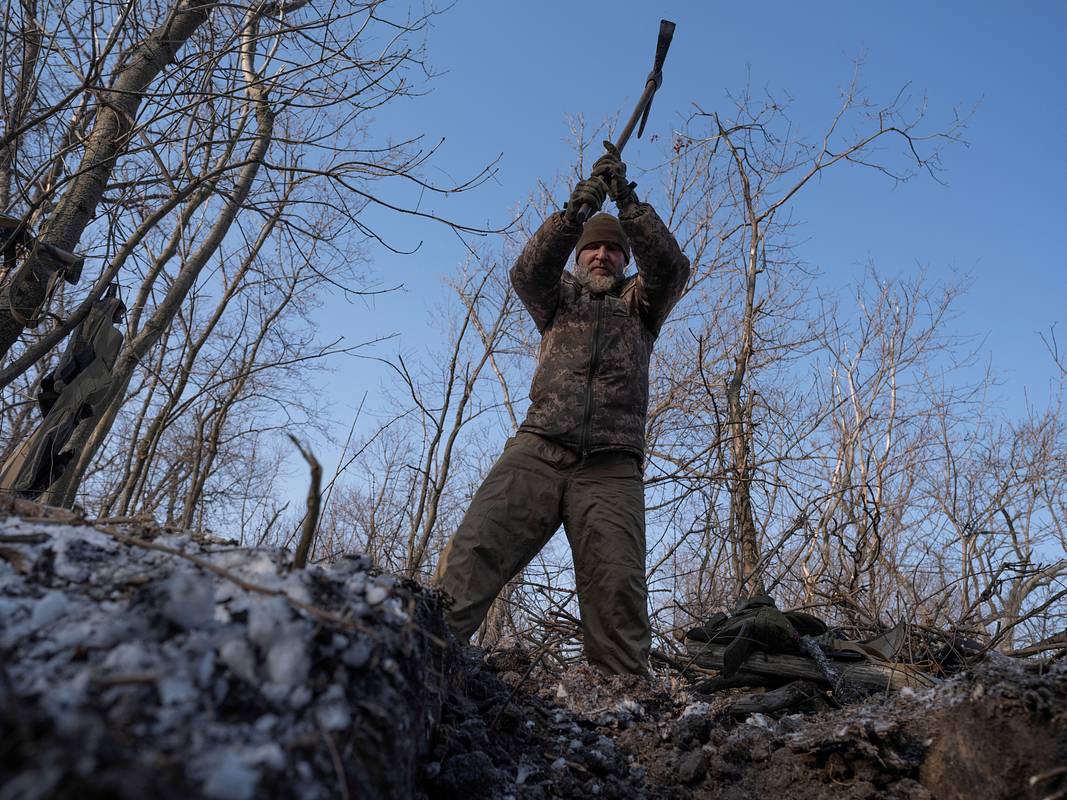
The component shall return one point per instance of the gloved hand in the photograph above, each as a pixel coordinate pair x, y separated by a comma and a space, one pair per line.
589, 192
611, 169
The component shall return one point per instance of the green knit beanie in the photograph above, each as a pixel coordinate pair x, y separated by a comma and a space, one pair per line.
603, 227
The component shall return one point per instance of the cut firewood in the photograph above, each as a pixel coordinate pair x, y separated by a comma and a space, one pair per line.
784, 698
871, 674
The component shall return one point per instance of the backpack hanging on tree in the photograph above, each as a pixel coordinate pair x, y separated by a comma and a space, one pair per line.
71, 395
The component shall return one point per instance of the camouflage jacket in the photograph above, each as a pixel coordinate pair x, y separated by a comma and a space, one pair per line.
590, 389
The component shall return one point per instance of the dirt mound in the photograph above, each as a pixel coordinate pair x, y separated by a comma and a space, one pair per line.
127, 670
984, 733
176, 668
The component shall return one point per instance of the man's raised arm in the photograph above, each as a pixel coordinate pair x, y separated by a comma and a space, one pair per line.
537, 271
662, 267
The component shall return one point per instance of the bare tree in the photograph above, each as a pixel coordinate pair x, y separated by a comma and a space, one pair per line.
185, 147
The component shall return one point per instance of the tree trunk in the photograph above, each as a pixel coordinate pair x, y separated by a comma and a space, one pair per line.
106, 143
64, 490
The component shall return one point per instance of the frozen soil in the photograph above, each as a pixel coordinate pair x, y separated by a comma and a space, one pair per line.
128, 670
982, 734
167, 667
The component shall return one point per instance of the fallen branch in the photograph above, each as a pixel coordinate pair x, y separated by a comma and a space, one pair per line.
23, 538
781, 699
1057, 642
870, 674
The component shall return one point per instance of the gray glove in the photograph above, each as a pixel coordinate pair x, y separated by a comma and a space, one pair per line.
589, 192
611, 169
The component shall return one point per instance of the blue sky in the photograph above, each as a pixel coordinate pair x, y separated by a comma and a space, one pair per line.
512, 73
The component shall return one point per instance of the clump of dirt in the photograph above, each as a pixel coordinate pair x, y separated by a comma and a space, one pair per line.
514, 729
498, 739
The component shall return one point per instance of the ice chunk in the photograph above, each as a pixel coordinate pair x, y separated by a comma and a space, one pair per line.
299, 697
176, 690
358, 608
357, 583
385, 581
265, 755
358, 654
699, 709
231, 778
296, 584
332, 711
188, 598
759, 721
267, 618
256, 566
219, 689
266, 723
48, 609
631, 707
64, 698
394, 612
277, 695
525, 770
287, 660
129, 657
205, 669
238, 656
71, 634
376, 594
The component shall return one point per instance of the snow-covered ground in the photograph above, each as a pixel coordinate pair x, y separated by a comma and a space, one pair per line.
204, 669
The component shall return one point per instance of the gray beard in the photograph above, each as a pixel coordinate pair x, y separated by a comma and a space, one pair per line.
597, 284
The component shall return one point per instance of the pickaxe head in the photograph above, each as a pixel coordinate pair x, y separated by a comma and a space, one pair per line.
655, 77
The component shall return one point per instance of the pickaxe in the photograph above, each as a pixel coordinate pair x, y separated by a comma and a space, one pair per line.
644, 105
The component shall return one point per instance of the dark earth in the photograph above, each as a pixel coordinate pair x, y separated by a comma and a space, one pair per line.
138, 662
982, 734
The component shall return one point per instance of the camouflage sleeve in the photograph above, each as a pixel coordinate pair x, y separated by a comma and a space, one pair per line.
537, 272
662, 267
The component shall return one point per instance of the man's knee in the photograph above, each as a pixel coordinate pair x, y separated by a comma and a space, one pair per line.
614, 605
512, 515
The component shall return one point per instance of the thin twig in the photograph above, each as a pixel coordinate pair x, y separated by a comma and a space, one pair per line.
24, 538
335, 757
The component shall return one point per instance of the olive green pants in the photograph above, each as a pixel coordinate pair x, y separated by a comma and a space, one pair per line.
535, 485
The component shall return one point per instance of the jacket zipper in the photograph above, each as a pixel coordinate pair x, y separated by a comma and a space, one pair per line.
594, 362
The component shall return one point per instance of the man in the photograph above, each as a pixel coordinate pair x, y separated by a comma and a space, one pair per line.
577, 457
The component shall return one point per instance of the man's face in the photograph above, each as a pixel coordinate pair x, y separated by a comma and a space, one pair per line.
601, 265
